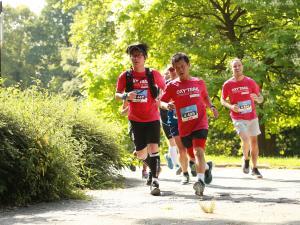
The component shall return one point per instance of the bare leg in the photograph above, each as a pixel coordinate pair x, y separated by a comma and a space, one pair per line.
245, 142
183, 159
199, 160
254, 150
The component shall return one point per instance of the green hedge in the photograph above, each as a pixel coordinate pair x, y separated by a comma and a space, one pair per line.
52, 147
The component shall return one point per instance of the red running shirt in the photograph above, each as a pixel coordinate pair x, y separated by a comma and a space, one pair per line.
239, 93
144, 108
189, 99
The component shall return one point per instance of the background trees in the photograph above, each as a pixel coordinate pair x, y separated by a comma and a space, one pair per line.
262, 33
95, 34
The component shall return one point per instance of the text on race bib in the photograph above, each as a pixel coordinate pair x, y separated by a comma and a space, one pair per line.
141, 95
189, 113
245, 106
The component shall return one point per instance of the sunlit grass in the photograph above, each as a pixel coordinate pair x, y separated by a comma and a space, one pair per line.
265, 162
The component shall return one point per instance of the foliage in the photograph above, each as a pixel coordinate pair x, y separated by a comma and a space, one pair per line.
38, 47
51, 146
262, 33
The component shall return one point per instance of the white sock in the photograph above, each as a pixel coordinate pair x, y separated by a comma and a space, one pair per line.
200, 176
173, 155
206, 166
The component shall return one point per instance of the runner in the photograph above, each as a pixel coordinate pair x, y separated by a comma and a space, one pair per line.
186, 156
188, 95
139, 86
172, 156
242, 92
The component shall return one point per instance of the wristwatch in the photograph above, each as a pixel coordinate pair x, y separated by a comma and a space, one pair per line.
124, 96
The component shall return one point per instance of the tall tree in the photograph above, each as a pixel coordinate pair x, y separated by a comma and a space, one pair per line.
262, 33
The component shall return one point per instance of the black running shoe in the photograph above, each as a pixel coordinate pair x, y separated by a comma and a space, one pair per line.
245, 166
149, 179
193, 168
207, 174
155, 188
256, 173
185, 179
199, 187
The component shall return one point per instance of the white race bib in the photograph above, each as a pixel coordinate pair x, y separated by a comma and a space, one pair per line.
141, 95
189, 113
245, 106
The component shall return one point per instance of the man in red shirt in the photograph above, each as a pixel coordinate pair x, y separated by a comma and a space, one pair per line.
143, 113
188, 95
242, 92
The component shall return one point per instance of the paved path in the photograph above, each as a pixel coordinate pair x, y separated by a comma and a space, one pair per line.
238, 198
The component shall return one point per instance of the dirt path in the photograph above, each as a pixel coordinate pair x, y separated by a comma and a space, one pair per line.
238, 199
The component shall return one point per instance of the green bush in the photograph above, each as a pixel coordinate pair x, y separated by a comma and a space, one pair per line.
51, 147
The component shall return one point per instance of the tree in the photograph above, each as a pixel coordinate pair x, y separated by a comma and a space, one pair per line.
262, 33
16, 44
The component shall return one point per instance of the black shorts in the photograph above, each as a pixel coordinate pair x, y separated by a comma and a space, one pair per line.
145, 133
187, 141
174, 130
164, 121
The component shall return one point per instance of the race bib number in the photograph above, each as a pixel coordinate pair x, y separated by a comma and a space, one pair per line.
245, 106
189, 113
141, 96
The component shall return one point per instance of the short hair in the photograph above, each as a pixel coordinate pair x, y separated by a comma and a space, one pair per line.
235, 59
179, 56
141, 47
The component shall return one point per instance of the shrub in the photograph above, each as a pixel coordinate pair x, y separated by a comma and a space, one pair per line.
51, 146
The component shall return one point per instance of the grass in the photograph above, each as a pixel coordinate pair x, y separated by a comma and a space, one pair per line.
263, 162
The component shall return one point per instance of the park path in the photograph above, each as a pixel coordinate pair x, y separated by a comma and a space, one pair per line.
238, 198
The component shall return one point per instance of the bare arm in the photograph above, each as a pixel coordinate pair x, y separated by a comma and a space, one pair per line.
211, 106
233, 107
126, 96
258, 98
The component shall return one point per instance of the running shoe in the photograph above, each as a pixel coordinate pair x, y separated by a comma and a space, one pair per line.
185, 179
178, 170
155, 188
256, 173
132, 167
245, 166
207, 174
169, 161
193, 168
199, 187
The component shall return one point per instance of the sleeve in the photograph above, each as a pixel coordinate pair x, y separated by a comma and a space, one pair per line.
121, 83
159, 80
225, 91
204, 89
166, 96
255, 88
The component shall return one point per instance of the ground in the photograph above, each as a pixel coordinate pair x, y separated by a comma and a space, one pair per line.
238, 199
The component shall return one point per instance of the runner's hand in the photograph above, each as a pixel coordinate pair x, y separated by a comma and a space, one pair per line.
235, 108
215, 112
131, 95
171, 106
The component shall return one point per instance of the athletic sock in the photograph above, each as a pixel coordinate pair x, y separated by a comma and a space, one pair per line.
154, 164
173, 155
147, 161
206, 166
200, 176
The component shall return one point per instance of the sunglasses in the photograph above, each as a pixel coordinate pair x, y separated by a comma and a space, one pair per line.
171, 69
